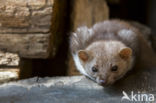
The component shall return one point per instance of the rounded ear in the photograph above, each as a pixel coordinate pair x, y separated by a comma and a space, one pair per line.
125, 53
84, 55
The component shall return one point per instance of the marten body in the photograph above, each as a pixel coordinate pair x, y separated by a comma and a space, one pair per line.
108, 50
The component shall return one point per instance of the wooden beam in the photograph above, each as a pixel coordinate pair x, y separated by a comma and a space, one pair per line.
86, 12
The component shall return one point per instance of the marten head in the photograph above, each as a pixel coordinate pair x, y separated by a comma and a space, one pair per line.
106, 61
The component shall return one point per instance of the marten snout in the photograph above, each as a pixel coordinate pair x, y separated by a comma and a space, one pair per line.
101, 81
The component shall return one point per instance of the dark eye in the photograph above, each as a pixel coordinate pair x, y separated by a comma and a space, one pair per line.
114, 68
94, 69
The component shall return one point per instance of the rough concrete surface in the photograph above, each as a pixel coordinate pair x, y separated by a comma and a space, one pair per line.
76, 89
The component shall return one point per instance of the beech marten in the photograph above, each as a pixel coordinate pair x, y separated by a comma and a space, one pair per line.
109, 49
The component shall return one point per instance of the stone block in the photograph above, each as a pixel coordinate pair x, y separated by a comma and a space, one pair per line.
26, 25
26, 45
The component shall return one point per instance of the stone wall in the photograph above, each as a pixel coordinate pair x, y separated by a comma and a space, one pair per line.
46, 44
25, 27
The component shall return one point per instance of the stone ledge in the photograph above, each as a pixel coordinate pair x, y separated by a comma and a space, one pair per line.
76, 89
8, 74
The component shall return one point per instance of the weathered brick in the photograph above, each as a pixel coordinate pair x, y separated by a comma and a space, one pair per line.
14, 2
5, 30
36, 2
7, 10
22, 11
46, 11
26, 26
41, 21
37, 29
14, 22
50, 2
31, 45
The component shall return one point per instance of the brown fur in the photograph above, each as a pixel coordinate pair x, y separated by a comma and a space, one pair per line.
112, 42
